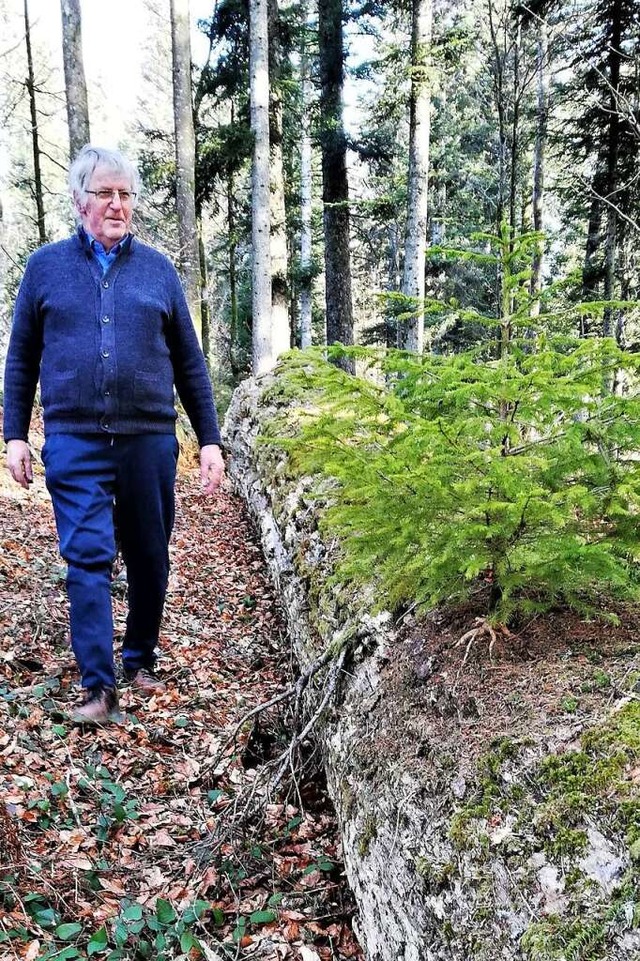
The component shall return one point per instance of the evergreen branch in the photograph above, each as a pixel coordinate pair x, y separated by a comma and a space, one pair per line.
363, 460
553, 438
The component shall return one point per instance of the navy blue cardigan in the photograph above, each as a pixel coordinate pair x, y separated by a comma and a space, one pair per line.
108, 349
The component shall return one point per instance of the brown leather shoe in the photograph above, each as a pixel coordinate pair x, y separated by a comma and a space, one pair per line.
100, 705
146, 681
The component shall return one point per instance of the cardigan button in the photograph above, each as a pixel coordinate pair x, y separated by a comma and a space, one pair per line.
105, 353
105, 283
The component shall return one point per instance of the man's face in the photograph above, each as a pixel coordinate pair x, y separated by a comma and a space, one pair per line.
106, 220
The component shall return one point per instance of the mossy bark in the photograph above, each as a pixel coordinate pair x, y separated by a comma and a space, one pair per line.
530, 852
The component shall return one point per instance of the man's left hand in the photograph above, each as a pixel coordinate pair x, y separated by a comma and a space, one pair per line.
211, 468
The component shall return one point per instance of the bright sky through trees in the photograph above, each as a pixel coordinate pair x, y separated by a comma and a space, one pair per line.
114, 38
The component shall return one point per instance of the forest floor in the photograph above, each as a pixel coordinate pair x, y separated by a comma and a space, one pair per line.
119, 841
543, 682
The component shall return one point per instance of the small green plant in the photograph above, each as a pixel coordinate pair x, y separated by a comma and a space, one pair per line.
115, 807
570, 704
510, 465
136, 933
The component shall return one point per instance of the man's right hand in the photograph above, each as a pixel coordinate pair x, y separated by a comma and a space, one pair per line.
19, 462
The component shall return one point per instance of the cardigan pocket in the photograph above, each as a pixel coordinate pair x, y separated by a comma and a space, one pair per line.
152, 392
60, 390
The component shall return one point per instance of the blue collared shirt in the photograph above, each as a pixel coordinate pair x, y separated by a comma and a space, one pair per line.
104, 259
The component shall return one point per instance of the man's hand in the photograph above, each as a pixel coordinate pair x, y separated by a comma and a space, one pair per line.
19, 462
211, 468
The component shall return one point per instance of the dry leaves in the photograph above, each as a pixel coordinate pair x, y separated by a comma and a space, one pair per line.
95, 823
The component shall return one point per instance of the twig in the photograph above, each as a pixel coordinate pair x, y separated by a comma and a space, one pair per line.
72, 803
286, 757
296, 689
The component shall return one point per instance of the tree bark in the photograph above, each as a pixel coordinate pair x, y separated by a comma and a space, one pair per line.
30, 84
335, 185
538, 163
74, 78
497, 71
204, 302
263, 358
413, 283
613, 150
234, 326
592, 272
515, 128
306, 195
280, 296
185, 160
439, 869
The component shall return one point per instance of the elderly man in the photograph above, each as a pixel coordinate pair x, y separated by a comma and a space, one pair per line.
102, 321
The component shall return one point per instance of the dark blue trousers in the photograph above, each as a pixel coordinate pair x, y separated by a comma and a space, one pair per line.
86, 475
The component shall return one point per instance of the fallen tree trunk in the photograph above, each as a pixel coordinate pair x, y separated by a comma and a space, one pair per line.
455, 848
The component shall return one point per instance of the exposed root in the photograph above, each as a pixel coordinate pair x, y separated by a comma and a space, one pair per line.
294, 691
249, 805
483, 629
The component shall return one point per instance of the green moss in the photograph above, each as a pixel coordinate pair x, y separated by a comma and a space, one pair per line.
369, 834
434, 876
501, 749
488, 796
448, 931
348, 800
566, 842
591, 782
576, 941
570, 704
593, 779
584, 938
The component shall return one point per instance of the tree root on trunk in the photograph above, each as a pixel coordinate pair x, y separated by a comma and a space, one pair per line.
483, 629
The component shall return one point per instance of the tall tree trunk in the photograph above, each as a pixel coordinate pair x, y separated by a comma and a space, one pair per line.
185, 160
30, 84
306, 196
393, 283
498, 70
592, 268
613, 150
234, 327
74, 78
263, 358
204, 302
232, 244
335, 186
280, 326
515, 129
413, 282
538, 163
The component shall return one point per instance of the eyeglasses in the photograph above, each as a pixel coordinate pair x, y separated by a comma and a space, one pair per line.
108, 195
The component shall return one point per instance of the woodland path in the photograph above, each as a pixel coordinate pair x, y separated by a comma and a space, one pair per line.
108, 846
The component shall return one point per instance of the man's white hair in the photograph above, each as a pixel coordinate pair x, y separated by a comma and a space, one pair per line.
90, 157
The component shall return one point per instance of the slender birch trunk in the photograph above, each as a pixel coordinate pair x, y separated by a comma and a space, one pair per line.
413, 282
280, 326
185, 160
234, 326
263, 358
538, 163
74, 79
